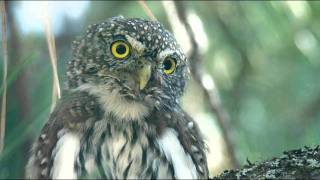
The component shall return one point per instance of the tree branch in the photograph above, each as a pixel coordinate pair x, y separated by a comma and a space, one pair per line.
234, 43
295, 164
210, 92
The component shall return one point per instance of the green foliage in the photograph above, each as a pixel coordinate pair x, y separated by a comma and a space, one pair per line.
266, 69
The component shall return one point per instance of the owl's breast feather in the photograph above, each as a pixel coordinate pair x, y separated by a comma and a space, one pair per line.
66, 152
183, 165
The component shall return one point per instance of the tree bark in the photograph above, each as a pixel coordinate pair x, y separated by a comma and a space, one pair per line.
295, 164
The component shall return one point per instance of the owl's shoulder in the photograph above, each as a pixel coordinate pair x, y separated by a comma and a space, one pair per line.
70, 114
72, 111
75, 108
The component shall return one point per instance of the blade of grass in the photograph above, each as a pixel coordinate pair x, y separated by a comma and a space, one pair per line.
24, 130
5, 72
53, 56
12, 76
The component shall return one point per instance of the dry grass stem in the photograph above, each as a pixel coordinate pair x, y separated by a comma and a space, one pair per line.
5, 72
177, 26
147, 10
53, 56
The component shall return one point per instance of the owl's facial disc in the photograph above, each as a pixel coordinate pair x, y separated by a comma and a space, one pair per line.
133, 69
133, 81
140, 74
129, 63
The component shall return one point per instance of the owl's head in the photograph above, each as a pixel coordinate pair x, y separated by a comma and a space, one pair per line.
129, 63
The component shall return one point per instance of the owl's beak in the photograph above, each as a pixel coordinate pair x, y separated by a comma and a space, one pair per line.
144, 75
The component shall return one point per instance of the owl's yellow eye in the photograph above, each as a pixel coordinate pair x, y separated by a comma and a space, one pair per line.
169, 65
120, 49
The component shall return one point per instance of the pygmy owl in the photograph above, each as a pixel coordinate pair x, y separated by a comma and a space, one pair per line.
119, 116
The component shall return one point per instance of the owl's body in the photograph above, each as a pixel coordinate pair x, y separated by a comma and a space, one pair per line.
120, 115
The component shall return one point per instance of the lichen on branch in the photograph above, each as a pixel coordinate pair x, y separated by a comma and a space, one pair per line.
294, 164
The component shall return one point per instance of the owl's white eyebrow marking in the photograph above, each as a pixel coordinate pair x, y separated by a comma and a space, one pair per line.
138, 46
162, 55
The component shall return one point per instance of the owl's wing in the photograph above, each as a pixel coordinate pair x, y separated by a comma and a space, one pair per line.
192, 141
69, 115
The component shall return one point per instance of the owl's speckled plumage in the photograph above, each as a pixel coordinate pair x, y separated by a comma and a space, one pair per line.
106, 125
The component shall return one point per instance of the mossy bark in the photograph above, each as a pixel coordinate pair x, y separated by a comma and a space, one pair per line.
295, 164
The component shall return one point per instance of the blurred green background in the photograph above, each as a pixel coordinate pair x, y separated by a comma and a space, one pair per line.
263, 56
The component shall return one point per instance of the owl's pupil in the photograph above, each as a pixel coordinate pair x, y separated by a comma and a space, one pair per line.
167, 64
121, 49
